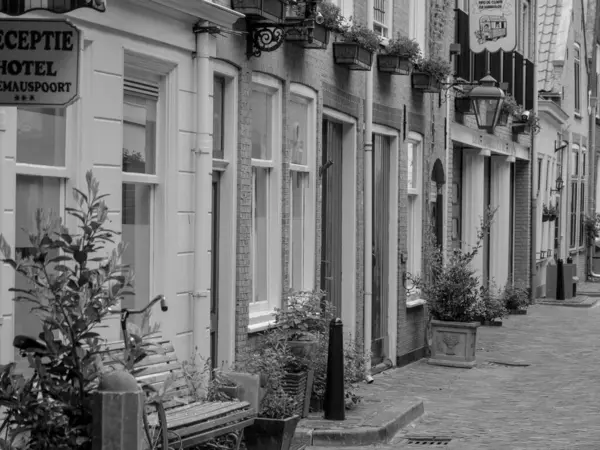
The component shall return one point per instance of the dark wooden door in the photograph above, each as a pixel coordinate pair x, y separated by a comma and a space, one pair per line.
331, 231
214, 282
381, 226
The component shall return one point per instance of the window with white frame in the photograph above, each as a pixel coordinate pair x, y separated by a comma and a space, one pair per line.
582, 190
417, 24
265, 105
41, 177
141, 177
218, 116
415, 214
382, 17
577, 78
302, 122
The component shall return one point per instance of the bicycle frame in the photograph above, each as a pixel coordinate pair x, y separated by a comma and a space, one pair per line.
124, 315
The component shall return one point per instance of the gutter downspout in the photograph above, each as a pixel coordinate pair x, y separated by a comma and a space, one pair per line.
368, 205
202, 198
533, 161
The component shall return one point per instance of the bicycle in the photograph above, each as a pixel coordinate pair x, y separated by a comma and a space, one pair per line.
135, 353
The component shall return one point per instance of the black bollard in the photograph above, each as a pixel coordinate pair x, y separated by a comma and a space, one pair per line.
334, 403
560, 281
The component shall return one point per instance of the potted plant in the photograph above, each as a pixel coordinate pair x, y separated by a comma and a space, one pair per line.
552, 212
509, 108
356, 48
318, 37
429, 73
399, 56
516, 298
277, 420
455, 299
530, 124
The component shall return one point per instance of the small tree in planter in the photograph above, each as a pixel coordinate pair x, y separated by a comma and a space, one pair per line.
356, 48
333, 21
399, 56
455, 299
509, 108
429, 74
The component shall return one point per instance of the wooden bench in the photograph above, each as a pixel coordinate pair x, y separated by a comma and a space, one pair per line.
193, 422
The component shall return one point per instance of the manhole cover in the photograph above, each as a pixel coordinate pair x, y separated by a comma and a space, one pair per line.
430, 441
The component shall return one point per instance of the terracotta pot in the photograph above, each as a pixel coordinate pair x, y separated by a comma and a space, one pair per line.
271, 434
454, 343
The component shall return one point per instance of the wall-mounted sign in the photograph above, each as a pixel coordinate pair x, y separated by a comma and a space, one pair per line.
493, 25
39, 62
18, 7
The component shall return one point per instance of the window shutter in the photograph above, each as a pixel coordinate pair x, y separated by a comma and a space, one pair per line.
463, 62
530, 89
479, 61
519, 79
144, 88
507, 72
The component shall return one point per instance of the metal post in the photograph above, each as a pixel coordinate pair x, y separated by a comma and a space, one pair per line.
334, 402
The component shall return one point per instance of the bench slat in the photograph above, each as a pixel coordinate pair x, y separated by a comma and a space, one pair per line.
189, 416
210, 425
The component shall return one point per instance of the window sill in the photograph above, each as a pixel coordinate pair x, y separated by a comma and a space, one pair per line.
262, 326
415, 303
261, 321
577, 115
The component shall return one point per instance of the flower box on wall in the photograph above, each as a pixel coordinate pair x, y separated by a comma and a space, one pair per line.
352, 55
271, 10
300, 36
394, 64
463, 105
425, 82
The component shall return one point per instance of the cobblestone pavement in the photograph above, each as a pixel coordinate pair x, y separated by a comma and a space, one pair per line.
553, 403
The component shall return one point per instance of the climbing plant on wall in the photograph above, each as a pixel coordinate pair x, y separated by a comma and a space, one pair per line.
440, 13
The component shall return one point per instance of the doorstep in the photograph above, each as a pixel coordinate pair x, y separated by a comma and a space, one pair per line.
371, 422
581, 301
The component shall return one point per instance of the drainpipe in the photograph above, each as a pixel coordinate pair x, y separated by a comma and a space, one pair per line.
533, 161
593, 83
202, 194
368, 202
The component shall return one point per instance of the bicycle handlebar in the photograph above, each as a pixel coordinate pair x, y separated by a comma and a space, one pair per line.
161, 298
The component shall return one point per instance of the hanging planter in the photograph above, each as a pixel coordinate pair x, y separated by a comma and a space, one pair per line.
271, 10
356, 48
318, 39
429, 73
399, 56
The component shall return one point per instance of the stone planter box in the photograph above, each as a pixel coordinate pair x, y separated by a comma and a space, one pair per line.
425, 82
300, 37
454, 343
352, 55
394, 64
271, 10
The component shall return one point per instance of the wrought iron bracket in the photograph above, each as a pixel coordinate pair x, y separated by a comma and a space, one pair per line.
268, 36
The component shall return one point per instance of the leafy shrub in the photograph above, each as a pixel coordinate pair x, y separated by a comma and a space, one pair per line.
404, 46
364, 36
332, 16
515, 296
489, 305
71, 291
437, 67
304, 312
452, 288
206, 383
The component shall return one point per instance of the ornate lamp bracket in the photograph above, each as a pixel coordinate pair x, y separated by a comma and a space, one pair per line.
268, 37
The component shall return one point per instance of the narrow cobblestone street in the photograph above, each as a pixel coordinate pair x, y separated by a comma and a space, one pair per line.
552, 403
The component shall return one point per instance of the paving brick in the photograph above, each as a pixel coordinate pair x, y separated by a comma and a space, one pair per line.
550, 404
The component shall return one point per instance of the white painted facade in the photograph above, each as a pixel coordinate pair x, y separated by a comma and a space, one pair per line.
147, 40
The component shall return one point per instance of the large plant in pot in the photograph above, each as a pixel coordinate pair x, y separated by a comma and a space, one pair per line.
456, 299
276, 423
399, 56
429, 74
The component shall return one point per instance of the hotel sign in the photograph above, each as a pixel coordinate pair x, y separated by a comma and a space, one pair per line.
18, 7
493, 25
39, 62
